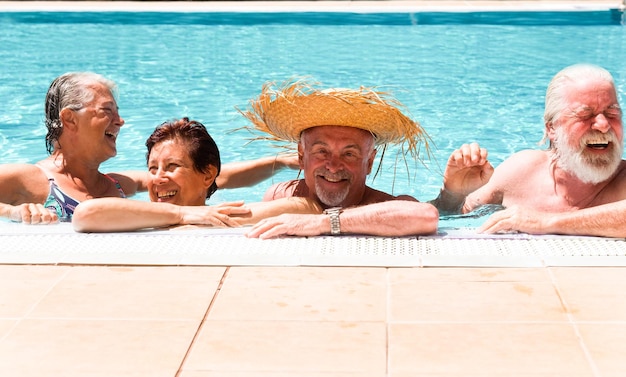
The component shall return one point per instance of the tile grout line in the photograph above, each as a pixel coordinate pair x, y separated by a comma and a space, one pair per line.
387, 320
30, 310
572, 322
204, 318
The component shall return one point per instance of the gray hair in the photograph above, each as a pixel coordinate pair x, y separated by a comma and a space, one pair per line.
559, 85
73, 91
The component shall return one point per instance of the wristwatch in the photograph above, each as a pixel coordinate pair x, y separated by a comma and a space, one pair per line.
335, 224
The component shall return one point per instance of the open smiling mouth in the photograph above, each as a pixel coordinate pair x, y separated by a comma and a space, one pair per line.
598, 145
332, 179
166, 194
111, 135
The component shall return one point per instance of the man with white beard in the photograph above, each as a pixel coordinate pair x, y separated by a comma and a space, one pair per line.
576, 186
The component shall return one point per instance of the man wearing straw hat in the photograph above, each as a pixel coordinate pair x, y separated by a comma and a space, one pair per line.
338, 132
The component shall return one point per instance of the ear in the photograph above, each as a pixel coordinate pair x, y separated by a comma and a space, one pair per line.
370, 160
550, 130
69, 119
301, 155
209, 176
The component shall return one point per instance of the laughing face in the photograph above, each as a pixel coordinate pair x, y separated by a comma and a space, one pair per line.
99, 122
173, 178
588, 139
336, 161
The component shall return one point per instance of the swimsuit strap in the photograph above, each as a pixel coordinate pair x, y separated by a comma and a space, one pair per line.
117, 185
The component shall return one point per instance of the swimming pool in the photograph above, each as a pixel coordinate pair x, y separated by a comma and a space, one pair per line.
465, 76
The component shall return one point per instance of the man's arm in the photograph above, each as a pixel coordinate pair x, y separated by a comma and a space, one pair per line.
608, 220
394, 218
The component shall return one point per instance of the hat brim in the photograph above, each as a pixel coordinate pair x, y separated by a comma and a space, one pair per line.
285, 113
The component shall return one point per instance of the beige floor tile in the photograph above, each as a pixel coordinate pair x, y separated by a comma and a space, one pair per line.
606, 343
131, 293
593, 294
302, 293
146, 273
70, 348
486, 350
289, 347
32, 272
22, 287
400, 275
582, 274
6, 325
474, 295
509, 373
278, 374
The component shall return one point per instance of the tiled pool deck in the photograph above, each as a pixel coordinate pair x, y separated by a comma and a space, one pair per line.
196, 305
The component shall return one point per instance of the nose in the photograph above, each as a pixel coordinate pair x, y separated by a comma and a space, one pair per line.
600, 123
159, 176
333, 164
120, 120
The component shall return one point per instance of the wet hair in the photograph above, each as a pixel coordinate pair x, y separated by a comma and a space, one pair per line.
559, 86
73, 91
201, 147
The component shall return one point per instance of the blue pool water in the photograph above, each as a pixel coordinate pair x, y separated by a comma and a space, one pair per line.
465, 77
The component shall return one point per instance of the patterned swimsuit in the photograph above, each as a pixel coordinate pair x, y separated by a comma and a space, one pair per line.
63, 204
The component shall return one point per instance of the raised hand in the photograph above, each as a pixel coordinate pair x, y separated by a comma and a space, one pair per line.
467, 169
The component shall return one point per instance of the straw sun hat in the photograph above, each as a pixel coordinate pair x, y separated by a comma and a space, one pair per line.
284, 112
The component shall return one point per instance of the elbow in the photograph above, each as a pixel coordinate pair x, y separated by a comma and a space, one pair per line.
417, 219
429, 219
84, 217
424, 219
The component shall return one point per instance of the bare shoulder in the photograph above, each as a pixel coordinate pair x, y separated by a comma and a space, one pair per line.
28, 173
518, 172
22, 183
131, 181
522, 161
377, 196
527, 157
286, 189
620, 177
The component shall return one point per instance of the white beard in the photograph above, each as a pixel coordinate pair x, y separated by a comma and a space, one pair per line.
588, 168
331, 199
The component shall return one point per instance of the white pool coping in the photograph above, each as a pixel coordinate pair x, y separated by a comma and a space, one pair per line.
311, 6
452, 247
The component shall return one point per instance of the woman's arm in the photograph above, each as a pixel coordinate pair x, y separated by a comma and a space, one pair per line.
249, 173
292, 205
23, 191
119, 215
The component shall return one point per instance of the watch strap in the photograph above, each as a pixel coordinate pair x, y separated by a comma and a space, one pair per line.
335, 223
